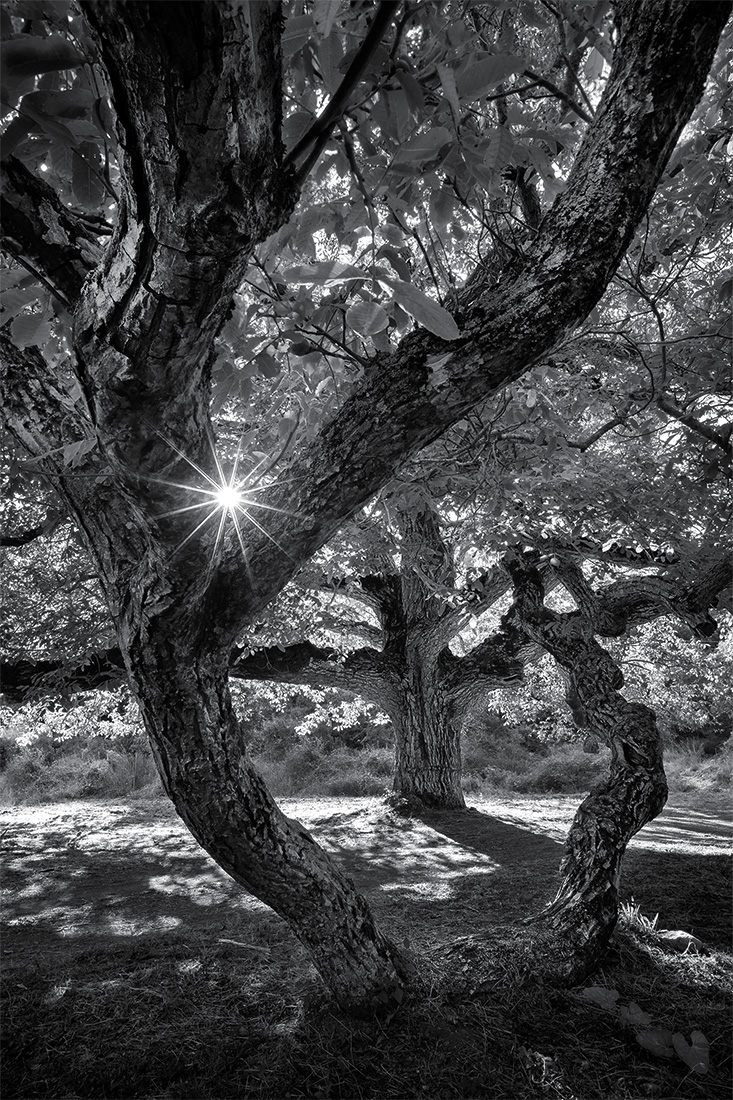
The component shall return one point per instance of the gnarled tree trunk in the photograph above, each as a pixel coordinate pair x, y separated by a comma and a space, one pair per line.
199, 746
583, 915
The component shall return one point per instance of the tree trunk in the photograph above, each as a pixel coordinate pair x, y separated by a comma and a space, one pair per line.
583, 915
427, 750
585, 909
200, 751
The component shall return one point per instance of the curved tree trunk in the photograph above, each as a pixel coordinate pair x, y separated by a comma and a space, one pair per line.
200, 751
583, 915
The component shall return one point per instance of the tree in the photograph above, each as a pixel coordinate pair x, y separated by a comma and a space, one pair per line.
198, 103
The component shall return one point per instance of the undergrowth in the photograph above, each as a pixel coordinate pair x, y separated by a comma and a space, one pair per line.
306, 766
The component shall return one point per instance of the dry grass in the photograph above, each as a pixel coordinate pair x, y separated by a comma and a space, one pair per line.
187, 1014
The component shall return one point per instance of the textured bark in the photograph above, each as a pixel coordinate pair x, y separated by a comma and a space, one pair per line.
200, 751
68, 249
427, 747
583, 915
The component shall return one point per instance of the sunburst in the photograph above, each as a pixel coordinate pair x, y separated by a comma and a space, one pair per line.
226, 498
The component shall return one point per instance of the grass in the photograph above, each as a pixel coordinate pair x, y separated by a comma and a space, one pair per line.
185, 1019
225, 1004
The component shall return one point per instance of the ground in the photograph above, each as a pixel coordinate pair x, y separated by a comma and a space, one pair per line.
125, 943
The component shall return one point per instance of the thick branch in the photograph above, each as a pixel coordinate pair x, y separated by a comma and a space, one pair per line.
696, 425
414, 394
317, 137
23, 538
366, 672
43, 235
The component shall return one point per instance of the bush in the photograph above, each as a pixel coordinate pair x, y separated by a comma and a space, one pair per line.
306, 769
564, 769
31, 777
690, 767
9, 749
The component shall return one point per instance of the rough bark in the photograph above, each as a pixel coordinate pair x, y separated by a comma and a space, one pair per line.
583, 915
201, 754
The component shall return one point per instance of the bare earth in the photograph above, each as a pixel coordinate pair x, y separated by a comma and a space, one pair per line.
78, 874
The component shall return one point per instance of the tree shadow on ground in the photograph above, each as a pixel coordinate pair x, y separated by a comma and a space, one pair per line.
81, 881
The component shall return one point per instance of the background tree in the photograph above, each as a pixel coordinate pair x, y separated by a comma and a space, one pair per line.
197, 97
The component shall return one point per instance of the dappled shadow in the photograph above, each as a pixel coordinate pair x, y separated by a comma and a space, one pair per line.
95, 872
92, 877
693, 829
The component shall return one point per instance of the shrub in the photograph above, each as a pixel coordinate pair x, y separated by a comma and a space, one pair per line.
690, 767
9, 748
31, 777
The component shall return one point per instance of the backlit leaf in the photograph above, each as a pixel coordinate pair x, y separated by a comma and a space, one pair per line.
323, 274
366, 318
422, 148
424, 310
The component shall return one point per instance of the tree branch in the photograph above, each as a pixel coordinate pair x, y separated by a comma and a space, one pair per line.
566, 99
319, 133
411, 396
31, 533
43, 235
694, 424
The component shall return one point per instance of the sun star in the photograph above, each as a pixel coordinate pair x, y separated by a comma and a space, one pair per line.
229, 498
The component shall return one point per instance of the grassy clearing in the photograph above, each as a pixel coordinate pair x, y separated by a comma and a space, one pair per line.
210, 996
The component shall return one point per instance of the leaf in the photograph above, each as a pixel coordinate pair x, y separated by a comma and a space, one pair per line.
395, 261
424, 310
635, 1016
366, 318
422, 148
657, 1041
296, 34
302, 347
450, 91
29, 55
29, 330
499, 149
47, 123
323, 274
74, 452
600, 995
696, 1055
413, 91
484, 76
324, 14
267, 364
86, 180
15, 132
73, 103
